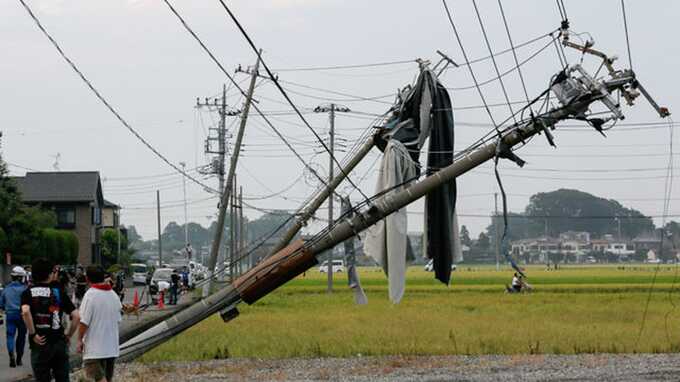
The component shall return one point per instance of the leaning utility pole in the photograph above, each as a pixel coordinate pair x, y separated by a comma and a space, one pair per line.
331, 109
322, 195
576, 95
226, 193
496, 236
232, 230
158, 218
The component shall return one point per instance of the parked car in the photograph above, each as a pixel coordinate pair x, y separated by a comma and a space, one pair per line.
337, 267
161, 274
139, 273
429, 267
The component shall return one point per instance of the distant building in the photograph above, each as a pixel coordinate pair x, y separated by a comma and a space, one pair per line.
110, 215
77, 200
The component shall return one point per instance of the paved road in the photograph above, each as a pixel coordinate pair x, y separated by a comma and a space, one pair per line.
8, 374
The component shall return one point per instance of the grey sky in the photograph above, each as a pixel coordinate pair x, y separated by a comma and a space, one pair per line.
144, 62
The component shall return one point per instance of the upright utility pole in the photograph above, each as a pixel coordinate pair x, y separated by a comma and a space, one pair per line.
158, 218
241, 229
232, 229
497, 237
186, 218
227, 190
331, 109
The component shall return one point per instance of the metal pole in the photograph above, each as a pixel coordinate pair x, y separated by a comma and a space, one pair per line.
290, 262
232, 230
158, 218
297, 258
330, 199
186, 217
227, 190
320, 198
221, 138
241, 233
497, 237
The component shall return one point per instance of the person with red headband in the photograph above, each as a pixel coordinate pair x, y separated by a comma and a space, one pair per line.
100, 315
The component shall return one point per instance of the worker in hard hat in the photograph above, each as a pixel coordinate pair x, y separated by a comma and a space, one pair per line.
10, 302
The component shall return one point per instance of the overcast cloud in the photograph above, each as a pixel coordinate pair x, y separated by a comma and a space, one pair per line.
141, 59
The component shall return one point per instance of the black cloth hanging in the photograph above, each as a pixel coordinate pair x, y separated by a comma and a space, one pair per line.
440, 204
426, 111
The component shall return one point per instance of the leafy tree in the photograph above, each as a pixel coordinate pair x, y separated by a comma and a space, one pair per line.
132, 235
483, 241
59, 246
109, 248
277, 221
22, 225
465, 236
564, 210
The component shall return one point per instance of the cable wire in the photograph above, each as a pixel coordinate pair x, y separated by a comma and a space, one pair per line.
285, 95
105, 102
467, 62
625, 26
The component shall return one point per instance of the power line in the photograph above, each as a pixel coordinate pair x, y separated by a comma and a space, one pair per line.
231, 78
467, 62
514, 53
338, 67
285, 95
104, 101
493, 60
625, 26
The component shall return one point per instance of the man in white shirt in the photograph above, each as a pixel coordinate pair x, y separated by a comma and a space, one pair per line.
98, 330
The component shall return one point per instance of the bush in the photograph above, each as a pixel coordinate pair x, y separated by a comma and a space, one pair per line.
59, 246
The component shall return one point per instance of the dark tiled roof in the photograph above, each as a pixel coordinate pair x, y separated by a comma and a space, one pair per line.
59, 186
111, 204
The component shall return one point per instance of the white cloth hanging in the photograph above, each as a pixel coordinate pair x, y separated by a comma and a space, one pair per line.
386, 241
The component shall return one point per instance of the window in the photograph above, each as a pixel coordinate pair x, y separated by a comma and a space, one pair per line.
66, 217
96, 215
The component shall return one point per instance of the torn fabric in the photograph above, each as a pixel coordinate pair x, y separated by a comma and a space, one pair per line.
387, 241
350, 259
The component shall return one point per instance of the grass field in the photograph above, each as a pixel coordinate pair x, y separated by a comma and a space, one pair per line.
573, 310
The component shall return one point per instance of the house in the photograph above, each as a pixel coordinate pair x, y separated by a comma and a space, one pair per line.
77, 200
647, 243
110, 215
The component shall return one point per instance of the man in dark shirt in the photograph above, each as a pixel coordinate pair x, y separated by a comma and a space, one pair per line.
174, 287
42, 308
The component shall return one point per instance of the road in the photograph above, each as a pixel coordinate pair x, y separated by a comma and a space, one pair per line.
8, 374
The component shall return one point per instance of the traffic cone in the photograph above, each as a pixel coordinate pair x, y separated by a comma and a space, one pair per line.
161, 302
135, 301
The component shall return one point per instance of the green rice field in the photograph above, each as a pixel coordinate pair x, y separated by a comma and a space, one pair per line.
577, 309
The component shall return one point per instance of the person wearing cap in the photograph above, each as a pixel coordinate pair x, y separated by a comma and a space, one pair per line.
10, 302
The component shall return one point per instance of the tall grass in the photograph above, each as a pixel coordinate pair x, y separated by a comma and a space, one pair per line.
579, 310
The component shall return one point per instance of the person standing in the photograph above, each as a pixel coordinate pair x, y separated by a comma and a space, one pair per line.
81, 284
174, 287
100, 315
10, 302
42, 308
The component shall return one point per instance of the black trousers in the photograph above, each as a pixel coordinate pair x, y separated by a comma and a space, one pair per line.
50, 360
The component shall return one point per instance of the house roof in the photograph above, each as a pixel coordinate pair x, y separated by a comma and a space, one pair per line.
40, 187
111, 205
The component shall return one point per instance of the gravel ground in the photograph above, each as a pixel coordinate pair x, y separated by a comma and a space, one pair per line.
588, 367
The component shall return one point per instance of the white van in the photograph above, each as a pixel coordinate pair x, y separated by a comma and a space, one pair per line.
139, 273
338, 266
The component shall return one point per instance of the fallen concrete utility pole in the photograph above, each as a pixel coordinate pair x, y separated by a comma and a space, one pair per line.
226, 194
298, 257
323, 194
